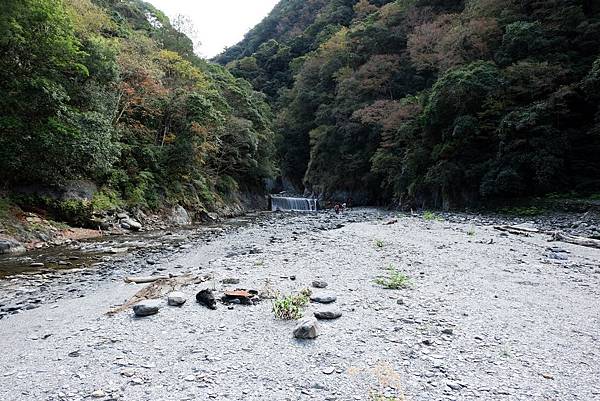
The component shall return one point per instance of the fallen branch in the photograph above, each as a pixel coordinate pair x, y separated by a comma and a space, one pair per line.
158, 289
144, 280
572, 239
518, 230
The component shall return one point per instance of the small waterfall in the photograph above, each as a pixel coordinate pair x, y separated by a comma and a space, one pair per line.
283, 203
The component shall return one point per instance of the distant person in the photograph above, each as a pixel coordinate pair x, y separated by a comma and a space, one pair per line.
337, 208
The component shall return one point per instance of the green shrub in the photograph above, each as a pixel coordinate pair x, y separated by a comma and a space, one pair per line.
106, 199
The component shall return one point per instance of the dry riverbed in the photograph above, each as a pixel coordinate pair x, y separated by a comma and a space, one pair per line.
486, 315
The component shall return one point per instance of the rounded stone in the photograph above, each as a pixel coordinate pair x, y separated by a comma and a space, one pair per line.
319, 284
306, 329
323, 297
146, 308
176, 298
328, 314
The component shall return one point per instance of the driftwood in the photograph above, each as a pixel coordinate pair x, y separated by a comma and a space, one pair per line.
144, 280
158, 289
518, 230
556, 235
573, 239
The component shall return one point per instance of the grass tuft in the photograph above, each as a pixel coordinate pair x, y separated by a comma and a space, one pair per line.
290, 307
395, 280
431, 216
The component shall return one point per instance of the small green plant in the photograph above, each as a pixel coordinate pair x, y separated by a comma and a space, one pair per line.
471, 232
430, 216
373, 396
395, 279
290, 307
379, 243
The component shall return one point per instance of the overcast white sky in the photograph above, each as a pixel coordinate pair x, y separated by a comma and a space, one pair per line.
220, 23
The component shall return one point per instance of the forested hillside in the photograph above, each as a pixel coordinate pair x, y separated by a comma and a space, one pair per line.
111, 92
428, 102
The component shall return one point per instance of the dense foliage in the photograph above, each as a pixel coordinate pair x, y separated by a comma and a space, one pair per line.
111, 91
428, 102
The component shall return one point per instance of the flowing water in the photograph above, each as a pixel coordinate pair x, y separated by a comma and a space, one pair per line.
282, 203
97, 251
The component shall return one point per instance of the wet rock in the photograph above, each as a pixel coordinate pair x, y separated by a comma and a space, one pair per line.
206, 298
328, 314
448, 331
122, 216
230, 281
146, 308
176, 298
323, 297
319, 284
306, 329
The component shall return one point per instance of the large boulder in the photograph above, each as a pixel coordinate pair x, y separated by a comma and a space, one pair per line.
80, 190
180, 216
130, 224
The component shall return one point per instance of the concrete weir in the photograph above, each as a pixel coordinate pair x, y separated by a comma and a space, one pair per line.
284, 203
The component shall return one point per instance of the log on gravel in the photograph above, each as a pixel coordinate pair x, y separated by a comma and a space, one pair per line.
573, 239
145, 280
518, 230
158, 289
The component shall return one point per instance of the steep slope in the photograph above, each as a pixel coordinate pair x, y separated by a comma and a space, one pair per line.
270, 53
111, 92
442, 103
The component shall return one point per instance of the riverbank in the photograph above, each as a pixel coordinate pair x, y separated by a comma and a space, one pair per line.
486, 315
33, 227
